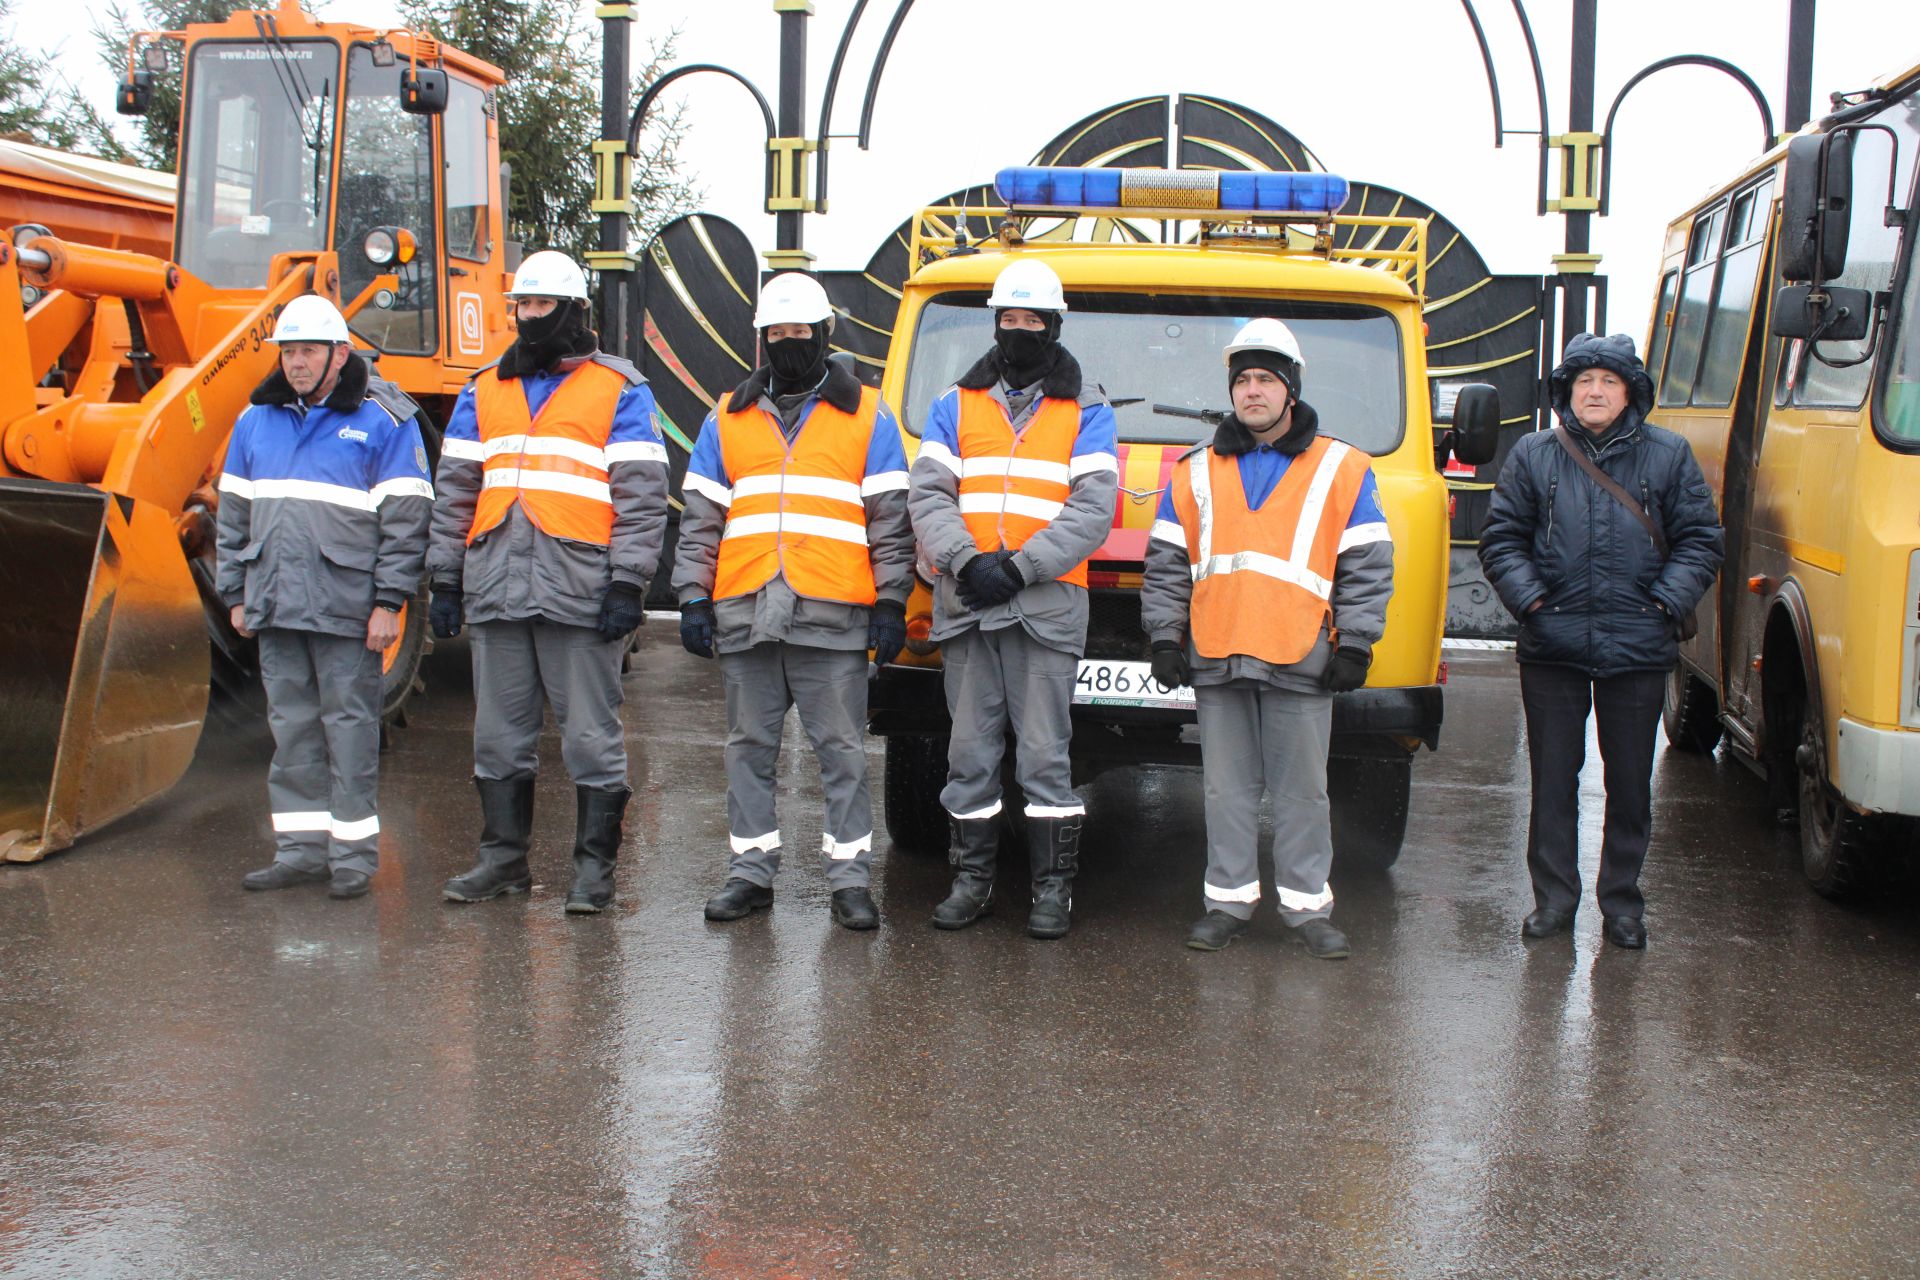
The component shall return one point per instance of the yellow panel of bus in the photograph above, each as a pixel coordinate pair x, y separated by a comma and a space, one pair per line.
1785, 345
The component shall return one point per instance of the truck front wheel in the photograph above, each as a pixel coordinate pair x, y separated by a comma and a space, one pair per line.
916, 771
1369, 796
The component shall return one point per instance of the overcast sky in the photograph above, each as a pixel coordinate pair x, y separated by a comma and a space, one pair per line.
1390, 91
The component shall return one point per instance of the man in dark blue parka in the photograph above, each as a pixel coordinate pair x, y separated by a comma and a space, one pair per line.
1600, 608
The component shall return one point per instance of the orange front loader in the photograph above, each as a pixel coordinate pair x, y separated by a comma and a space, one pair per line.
349, 161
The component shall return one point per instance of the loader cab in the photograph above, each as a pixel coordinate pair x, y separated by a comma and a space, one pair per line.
296, 137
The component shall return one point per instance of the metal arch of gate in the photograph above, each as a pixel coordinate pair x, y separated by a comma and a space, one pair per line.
700, 275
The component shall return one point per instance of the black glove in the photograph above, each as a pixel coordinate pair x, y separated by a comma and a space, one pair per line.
446, 612
696, 628
1348, 670
887, 631
1170, 666
986, 581
622, 611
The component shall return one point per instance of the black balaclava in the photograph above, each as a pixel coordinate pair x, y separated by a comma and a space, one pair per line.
798, 364
1027, 355
545, 339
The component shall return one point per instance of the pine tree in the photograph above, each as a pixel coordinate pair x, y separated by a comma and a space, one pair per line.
38, 105
157, 133
550, 117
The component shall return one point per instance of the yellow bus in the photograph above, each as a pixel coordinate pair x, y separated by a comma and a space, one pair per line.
1785, 345
1149, 320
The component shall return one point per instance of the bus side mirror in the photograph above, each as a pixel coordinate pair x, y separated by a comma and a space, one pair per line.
1816, 207
1821, 313
1475, 436
423, 92
134, 94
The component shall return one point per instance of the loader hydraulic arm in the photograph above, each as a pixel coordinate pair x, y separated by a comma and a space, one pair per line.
168, 364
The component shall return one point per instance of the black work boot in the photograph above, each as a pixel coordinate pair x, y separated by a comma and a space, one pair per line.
975, 849
1054, 845
1215, 930
738, 899
596, 846
506, 826
854, 909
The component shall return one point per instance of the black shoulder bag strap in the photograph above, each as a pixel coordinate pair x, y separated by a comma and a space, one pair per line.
1687, 625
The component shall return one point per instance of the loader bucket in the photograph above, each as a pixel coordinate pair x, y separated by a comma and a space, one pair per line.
103, 661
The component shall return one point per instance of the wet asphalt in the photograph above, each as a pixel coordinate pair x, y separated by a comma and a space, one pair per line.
201, 1082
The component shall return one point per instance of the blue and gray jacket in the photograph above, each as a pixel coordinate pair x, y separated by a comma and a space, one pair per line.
323, 508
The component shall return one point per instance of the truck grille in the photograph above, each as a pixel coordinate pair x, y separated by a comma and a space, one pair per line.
1113, 626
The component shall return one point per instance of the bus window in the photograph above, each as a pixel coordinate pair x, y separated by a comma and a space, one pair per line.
1900, 398
1871, 248
464, 137
1733, 301
1662, 317
1690, 323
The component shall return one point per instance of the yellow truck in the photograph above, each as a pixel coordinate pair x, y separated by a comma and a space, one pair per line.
1186, 257
1785, 346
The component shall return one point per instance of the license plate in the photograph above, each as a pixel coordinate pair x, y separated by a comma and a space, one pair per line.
1125, 684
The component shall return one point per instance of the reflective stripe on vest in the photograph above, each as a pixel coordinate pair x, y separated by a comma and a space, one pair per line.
1263, 580
1012, 485
554, 466
796, 509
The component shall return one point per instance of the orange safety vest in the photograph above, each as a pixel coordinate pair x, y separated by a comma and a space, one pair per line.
554, 466
1263, 580
1012, 486
797, 510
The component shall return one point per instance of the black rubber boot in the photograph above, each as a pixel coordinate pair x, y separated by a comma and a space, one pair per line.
975, 849
596, 845
1054, 845
506, 826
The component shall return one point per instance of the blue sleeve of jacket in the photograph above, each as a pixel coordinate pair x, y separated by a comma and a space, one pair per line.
637, 480
456, 493
886, 458
1097, 445
403, 507
234, 527
707, 491
1366, 507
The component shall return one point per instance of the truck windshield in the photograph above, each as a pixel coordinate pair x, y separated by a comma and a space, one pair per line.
1167, 350
256, 156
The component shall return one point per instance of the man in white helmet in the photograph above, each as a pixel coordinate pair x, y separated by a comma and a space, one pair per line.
324, 503
1013, 490
553, 488
795, 558
1268, 573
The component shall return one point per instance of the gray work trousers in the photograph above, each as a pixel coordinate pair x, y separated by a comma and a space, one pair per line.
829, 686
323, 705
1254, 736
993, 677
520, 666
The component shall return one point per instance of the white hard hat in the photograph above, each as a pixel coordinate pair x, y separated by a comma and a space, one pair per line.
548, 274
1030, 285
310, 318
1266, 334
792, 298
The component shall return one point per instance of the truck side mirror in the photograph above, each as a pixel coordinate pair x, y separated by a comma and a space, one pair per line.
1475, 436
1816, 207
134, 94
1821, 313
423, 92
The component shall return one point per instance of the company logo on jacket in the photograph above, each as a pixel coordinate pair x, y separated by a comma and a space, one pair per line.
358, 436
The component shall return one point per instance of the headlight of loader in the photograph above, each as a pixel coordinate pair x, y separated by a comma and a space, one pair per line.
388, 246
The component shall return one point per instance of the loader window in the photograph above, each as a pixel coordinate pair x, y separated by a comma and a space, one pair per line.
256, 154
1148, 350
464, 131
386, 181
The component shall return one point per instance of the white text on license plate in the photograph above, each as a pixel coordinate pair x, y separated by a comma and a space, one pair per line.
1124, 684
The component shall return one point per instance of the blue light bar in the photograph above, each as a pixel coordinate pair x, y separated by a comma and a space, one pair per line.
1201, 190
